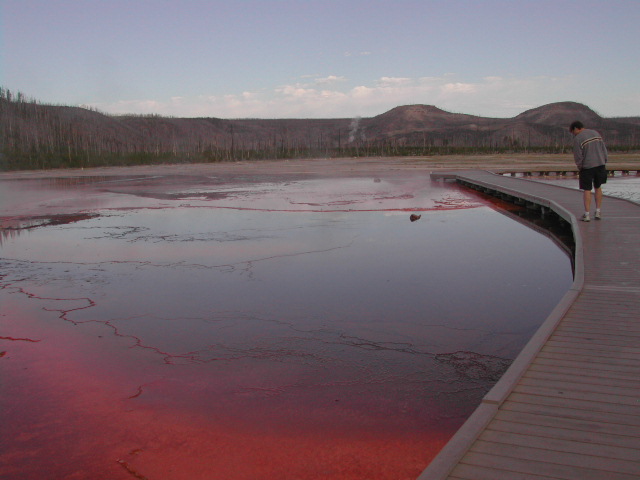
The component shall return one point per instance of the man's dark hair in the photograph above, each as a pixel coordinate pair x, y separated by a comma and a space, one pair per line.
576, 125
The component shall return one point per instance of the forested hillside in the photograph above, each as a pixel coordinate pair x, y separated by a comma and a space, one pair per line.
39, 136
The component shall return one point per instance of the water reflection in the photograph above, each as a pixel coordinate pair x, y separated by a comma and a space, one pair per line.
260, 327
621, 186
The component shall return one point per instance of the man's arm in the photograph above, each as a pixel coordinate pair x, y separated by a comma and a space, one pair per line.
578, 155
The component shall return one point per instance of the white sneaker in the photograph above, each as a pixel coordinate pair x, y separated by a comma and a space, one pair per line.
585, 218
598, 215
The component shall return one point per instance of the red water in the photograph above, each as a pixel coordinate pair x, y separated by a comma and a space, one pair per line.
73, 408
197, 328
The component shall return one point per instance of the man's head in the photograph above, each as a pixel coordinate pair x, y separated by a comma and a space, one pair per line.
576, 127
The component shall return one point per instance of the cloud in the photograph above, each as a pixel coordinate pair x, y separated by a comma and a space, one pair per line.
335, 96
457, 88
329, 80
394, 82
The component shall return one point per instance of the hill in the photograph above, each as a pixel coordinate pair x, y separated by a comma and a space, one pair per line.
35, 135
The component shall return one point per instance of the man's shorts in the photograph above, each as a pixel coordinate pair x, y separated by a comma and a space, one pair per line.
593, 177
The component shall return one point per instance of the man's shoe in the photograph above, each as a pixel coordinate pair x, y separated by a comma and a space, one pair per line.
585, 217
598, 215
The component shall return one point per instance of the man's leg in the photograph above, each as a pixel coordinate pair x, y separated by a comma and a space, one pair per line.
587, 200
598, 198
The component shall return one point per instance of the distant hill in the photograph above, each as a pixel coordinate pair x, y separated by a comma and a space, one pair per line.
562, 113
34, 135
539, 127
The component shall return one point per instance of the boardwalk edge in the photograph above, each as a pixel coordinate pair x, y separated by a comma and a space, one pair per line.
447, 459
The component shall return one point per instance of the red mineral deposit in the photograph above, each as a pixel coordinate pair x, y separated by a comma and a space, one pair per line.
256, 326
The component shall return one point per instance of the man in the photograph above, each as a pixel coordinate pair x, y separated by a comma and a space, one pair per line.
590, 155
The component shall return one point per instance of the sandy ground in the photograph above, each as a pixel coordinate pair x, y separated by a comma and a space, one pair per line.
346, 166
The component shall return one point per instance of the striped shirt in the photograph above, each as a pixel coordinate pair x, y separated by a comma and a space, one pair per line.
589, 149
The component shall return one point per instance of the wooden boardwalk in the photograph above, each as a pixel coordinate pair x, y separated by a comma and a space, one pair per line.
569, 406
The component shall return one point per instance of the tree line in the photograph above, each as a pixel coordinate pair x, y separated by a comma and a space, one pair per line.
34, 135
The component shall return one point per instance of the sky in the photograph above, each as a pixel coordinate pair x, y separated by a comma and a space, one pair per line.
322, 58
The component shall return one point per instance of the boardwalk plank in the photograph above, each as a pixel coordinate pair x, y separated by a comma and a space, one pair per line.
630, 327
546, 397
593, 345
604, 311
570, 385
590, 407
596, 342
614, 322
568, 362
608, 328
527, 430
581, 379
556, 457
620, 319
581, 423
468, 472
588, 360
542, 468
629, 422
595, 351
606, 301
499, 439
605, 333
597, 375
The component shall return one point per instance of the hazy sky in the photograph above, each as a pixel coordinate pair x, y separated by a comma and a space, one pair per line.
322, 58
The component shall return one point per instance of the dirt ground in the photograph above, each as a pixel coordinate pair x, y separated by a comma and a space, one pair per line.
346, 166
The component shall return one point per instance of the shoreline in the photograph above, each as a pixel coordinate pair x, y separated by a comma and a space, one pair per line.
333, 166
